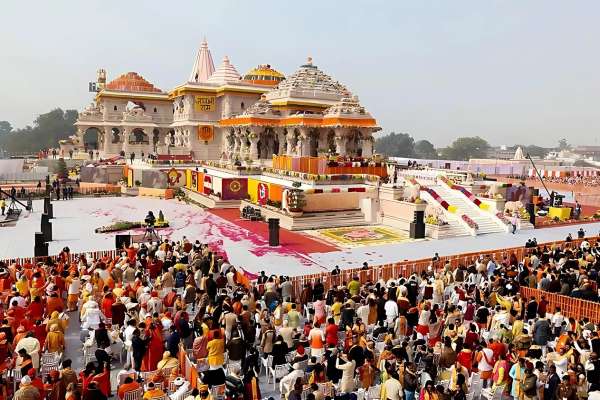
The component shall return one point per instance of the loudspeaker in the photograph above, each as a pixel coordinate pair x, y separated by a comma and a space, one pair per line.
46, 204
50, 211
417, 231
530, 207
121, 240
273, 231
40, 248
47, 231
418, 217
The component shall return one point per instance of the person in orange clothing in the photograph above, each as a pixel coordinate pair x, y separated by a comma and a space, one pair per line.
155, 347
35, 310
15, 314
497, 347
153, 392
107, 303
6, 281
127, 386
54, 303
36, 381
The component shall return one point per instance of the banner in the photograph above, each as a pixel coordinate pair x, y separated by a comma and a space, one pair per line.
205, 103
263, 192
234, 188
206, 133
207, 184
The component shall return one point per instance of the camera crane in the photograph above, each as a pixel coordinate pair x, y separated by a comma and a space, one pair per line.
552, 195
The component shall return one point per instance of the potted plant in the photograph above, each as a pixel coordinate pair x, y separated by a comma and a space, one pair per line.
296, 200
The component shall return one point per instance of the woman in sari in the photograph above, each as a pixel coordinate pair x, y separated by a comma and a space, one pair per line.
156, 347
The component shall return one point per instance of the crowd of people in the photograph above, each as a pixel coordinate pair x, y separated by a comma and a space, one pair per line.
447, 333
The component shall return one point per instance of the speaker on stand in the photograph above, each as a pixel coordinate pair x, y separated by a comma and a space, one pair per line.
417, 227
121, 240
273, 231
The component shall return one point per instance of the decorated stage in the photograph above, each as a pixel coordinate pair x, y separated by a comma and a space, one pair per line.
358, 236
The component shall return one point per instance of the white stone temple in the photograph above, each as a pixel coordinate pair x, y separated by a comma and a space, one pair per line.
219, 114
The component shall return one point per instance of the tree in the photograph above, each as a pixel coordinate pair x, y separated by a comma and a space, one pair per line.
396, 145
60, 169
47, 130
465, 148
425, 149
535, 151
563, 144
5, 127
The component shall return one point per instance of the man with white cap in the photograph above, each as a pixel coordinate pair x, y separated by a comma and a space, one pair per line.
26, 390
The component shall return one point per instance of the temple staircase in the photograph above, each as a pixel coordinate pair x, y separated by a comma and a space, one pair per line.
486, 222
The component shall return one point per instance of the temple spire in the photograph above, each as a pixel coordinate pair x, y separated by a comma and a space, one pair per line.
203, 66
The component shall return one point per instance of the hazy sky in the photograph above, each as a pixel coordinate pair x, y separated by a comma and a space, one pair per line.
509, 71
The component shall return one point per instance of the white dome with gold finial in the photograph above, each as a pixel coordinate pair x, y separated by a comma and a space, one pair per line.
224, 73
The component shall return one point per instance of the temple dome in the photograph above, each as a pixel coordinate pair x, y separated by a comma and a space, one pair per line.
309, 77
347, 107
226, 72
519, 154
132, 82
203, 64
264, 75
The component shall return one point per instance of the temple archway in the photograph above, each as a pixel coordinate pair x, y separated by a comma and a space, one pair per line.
91, 138
115, 134
353, 144
137, 136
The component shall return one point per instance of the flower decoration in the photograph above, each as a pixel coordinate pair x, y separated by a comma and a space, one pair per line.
472, 224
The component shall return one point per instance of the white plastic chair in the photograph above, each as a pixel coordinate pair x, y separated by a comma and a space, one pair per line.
146, 375
374, 392
277, 373
233, 365
266, 363
134, 394
326, 389
218, 392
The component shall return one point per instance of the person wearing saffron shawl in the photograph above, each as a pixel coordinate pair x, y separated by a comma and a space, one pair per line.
35, 310
107, 303
252, 391
102, 377
155, 350
15, 314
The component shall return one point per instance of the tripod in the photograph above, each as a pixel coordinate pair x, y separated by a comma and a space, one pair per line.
150, 233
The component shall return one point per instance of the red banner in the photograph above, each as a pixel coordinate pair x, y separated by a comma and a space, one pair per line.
262, 192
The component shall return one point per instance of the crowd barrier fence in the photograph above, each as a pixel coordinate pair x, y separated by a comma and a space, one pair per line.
569, 306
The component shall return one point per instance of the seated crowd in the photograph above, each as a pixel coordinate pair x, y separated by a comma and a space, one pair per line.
446, 333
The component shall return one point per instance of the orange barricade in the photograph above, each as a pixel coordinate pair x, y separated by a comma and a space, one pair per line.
407, 268
569, 306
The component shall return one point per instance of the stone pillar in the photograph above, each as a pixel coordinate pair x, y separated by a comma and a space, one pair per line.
253, 145
290, 143
303, 146
282, 140
367, 145
340, 142
322, 141
237, 144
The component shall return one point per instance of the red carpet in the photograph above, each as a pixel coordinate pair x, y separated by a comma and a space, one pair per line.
297, 242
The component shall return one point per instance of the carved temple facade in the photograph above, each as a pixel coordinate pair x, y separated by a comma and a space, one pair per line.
219, 114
